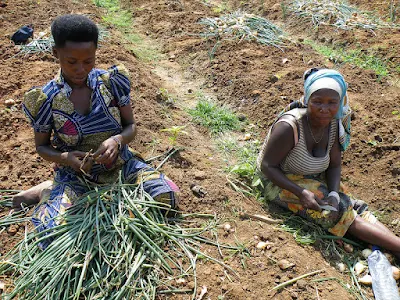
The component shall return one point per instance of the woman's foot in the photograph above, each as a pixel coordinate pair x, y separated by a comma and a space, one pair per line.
31, 196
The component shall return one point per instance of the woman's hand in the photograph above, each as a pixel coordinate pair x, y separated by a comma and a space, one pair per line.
332, 201
73, 159
310, 201
107, 152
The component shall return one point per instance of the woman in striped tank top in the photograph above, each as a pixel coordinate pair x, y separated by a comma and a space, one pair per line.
300, 162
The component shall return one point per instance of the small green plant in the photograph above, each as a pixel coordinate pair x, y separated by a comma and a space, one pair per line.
216, 118
222, 7
122, 20
174, 132
242, 251
165, 97
393, 10
284, 10
115, 15
142, 49
363, 59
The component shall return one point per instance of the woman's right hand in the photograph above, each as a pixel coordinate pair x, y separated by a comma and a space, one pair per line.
73, 159
310, 201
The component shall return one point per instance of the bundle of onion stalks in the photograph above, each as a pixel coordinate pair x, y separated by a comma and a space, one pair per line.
337, 13
240, 26
113, 243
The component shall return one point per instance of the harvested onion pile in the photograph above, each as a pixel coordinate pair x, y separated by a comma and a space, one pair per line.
243, 26
336, 13
113, 243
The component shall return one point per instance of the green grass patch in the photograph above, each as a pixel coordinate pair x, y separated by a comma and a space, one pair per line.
141, 49
241, 157
115, 16
216, 118
123, 21
363, 59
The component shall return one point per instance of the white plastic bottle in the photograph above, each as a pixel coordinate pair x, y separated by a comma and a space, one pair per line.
383, 283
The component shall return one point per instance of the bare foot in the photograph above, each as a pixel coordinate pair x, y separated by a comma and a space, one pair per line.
31, 196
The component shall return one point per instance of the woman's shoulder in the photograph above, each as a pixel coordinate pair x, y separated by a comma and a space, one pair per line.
117, 73
296, 113
36, 97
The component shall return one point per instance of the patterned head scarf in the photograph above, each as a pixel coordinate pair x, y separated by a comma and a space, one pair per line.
315, 79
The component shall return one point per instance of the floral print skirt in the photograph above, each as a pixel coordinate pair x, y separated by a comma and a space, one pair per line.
336, 223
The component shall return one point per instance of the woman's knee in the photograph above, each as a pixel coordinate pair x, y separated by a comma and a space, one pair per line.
170, 198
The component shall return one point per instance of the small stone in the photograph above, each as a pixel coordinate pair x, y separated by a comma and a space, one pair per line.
9, 102
172, 57
241, 117
247, 136
378, 138
12, 230
181, 281
227, 227
275, 7
301, 284
284, 61
310, 62
285, 264
190, 285
198, 190
200, 175
256, 93
274, 78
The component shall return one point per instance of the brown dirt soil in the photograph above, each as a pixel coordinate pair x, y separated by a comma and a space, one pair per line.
239, 75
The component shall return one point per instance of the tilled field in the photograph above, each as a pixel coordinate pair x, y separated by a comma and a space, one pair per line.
256, 81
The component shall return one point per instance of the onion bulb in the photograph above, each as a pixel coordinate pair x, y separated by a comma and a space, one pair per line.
366, 252
359, 268
396, 273
341, 267
367, 280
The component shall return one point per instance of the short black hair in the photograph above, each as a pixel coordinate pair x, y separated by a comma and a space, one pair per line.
74, 28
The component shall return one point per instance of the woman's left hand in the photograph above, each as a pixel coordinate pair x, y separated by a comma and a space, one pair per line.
107, 152
332, 201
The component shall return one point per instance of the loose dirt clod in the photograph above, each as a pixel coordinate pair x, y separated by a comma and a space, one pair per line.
12, 230
285, 264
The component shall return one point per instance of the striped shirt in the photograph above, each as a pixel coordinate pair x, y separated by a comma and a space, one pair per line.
299, 160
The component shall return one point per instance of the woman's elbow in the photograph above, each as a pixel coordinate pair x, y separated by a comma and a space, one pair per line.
265, 169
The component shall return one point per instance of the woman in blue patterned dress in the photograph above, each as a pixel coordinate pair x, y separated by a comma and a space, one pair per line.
86, 109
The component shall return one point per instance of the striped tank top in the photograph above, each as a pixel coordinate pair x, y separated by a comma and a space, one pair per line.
299, 160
